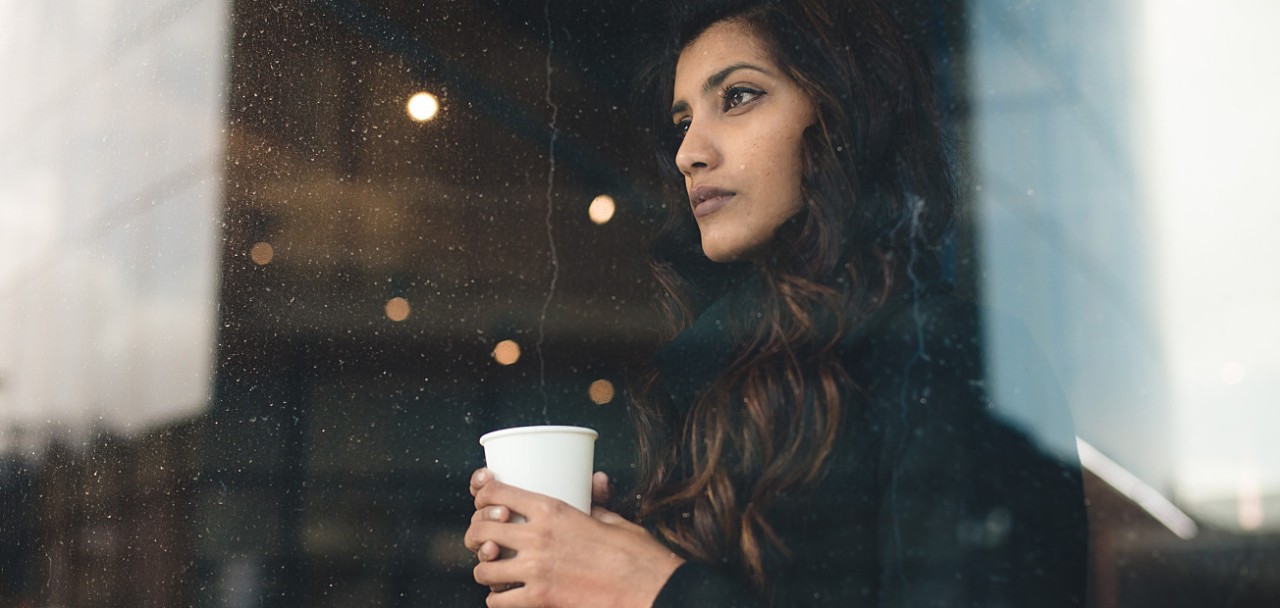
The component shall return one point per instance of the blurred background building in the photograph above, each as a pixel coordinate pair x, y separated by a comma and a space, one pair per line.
269, 268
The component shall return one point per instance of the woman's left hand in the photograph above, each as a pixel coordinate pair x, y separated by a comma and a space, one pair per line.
563, 557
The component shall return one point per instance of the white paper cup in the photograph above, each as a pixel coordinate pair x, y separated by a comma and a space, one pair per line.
553, 460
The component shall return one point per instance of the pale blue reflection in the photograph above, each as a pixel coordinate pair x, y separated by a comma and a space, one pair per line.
1059, 219
1125, 211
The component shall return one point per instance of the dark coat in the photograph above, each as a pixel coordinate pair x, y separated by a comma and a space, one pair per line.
931, 497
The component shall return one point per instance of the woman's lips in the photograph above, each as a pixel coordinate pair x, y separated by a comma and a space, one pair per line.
707, 199
711, 205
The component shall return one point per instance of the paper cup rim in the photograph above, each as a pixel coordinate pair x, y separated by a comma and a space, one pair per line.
537, 430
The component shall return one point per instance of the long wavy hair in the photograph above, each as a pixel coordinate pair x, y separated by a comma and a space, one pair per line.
878, 196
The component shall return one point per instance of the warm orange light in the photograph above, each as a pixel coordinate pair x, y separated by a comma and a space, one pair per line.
262, 253
601, 392
506, 352
397, 309
602, 209
423, 106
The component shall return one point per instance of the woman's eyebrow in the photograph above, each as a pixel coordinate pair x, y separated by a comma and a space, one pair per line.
716, 80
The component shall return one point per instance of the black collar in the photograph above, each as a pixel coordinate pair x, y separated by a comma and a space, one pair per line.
692, 361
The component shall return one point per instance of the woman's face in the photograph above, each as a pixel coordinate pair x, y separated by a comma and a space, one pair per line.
743, 120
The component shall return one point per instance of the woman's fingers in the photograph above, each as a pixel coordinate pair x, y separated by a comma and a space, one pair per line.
497, 513
606, 516
488, 551
491, 524
517, 596
489, 533
477, 533
562, 557
499, 573
504, 587
489, 491
529, 504
479, 478
600, 491
482, 534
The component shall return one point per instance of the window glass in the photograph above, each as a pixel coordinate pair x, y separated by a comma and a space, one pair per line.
269, 269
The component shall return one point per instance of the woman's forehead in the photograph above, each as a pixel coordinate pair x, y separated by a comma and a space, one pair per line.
723, 44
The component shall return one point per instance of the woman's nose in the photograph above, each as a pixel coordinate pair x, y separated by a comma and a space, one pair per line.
697, 150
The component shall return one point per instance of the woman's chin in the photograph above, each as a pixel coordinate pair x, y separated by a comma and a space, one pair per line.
721, 255
720, 259
725, 252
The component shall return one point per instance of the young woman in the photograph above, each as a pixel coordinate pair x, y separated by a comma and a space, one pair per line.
817, 432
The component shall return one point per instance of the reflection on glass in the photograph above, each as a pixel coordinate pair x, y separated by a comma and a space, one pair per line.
180, 426
397, 309
109, 233
1205, 138
1232, 372
601, 209
1142, 494
423, 106
506, 352
1250, 501
262, 253
601, 391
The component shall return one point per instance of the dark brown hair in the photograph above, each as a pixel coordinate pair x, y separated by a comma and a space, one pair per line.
877, 199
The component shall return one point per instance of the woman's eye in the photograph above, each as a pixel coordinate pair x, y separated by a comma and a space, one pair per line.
674, 137
736, 96
678, 130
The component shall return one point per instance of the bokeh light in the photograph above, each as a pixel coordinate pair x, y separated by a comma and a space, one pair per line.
423, 106
397, 309
601, 391
506, 352
601, 209
262, 253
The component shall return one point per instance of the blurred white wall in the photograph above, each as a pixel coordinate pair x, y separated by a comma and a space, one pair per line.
1208, 108
110, 203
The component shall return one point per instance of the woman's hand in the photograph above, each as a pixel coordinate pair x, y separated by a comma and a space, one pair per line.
563, 557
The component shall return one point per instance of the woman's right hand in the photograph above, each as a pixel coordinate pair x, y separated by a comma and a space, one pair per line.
563, 557
601, 493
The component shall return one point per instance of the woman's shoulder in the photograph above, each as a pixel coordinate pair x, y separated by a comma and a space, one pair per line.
923, 334
966, 486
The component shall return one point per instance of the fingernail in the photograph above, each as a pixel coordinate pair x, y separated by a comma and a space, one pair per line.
495, 513
482, 476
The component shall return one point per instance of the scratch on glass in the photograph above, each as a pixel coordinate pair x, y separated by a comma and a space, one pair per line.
551, 240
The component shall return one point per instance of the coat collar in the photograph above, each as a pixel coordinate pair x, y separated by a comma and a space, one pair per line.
692, 361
